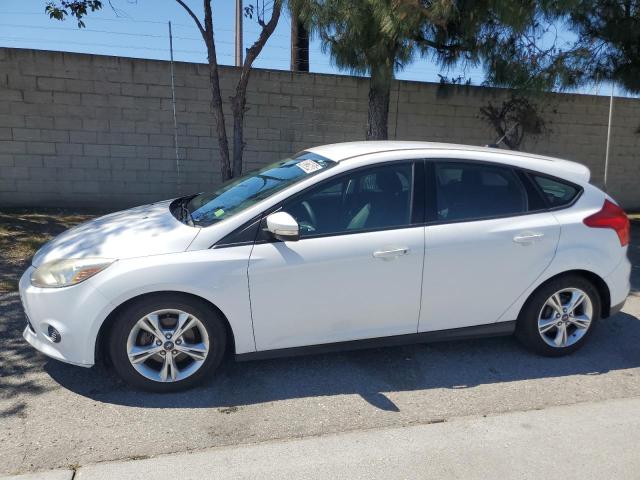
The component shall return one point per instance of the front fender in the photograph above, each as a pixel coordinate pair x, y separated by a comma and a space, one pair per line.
216, 275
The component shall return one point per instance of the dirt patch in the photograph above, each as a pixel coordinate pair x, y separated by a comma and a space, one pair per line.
22, 232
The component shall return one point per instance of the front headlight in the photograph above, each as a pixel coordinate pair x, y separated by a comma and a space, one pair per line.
66, 272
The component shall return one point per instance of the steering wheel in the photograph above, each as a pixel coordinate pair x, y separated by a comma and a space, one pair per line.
313, 223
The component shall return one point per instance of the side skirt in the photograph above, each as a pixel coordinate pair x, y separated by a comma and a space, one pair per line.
465, 333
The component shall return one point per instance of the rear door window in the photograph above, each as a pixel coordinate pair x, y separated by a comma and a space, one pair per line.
468, 191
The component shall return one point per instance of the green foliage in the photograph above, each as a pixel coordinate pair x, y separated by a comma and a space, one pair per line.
503, 35
609, 37
607, 47
518, 45
366, 35
60, 10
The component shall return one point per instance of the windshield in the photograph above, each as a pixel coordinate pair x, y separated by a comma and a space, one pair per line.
241, 193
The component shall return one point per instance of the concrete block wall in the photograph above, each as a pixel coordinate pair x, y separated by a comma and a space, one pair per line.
95, 131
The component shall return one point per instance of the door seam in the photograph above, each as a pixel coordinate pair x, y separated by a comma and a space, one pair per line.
253, 328
424, 258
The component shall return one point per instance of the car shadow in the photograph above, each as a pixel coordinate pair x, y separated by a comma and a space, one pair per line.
371, 373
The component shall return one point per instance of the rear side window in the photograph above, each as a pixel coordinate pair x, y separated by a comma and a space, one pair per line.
556, 192
468, 191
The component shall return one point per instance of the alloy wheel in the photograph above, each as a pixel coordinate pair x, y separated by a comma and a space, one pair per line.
167, 345
565, 317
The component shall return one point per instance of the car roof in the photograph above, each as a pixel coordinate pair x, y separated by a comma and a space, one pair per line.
347, 150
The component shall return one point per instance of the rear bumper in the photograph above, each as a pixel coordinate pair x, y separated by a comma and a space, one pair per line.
619, 283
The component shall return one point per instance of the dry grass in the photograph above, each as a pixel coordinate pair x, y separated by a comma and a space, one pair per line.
22, 233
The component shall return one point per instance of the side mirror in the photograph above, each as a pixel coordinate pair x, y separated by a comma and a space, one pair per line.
283, 227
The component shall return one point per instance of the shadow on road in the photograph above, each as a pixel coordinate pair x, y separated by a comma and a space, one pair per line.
370, 373
17, 358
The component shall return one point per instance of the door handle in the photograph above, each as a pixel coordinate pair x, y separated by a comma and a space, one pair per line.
391, 254
528, 237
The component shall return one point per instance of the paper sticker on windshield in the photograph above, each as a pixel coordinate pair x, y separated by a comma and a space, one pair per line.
309, 166
219, 212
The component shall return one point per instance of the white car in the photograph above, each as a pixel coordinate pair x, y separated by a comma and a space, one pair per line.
339, 247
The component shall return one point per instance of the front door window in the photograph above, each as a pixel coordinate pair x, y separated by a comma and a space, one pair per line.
372, 199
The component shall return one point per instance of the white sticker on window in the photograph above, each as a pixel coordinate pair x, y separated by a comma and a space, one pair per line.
309, 166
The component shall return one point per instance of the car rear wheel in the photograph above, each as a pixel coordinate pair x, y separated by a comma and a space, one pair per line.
559, 316
167, 343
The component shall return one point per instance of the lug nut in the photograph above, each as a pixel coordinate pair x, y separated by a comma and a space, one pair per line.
178, 342
168, 335
158, 342
557, 315
175, 352
163, 353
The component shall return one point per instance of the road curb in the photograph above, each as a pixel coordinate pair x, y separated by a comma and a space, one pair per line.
49, 475
509, 445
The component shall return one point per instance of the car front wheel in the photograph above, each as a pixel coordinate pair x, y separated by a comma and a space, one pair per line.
166, 343
559, 316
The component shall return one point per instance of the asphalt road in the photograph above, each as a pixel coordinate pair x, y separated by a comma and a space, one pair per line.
55, 415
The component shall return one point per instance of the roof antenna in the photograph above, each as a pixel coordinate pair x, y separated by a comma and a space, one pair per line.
501, 139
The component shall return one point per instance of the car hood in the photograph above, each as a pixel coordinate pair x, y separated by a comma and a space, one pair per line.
137, 232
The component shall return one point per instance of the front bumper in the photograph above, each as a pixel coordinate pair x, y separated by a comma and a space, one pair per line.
76, 312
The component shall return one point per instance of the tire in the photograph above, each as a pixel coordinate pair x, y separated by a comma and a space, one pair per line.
538, 323
132, 334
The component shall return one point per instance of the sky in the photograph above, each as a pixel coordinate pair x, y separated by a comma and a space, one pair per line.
139, 28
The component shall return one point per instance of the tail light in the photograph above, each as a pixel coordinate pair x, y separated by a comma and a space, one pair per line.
611, 216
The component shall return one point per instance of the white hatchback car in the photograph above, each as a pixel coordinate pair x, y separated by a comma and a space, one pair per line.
341, 246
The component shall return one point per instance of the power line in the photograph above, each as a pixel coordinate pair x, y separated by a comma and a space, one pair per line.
144, 35
104, 45
261, 58
152, 22
110, 32
413, 71
121, 19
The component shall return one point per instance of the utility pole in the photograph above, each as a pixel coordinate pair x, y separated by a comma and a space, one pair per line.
173, 103
299, 43
606, 156
238, 33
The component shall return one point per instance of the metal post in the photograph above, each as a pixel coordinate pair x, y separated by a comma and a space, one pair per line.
606, 157
238, 33
175, 121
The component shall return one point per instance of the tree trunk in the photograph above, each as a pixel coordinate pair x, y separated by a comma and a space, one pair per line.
218, 115
299, 45
206, 31
379, 93
216, 97
239, 100
238, 109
